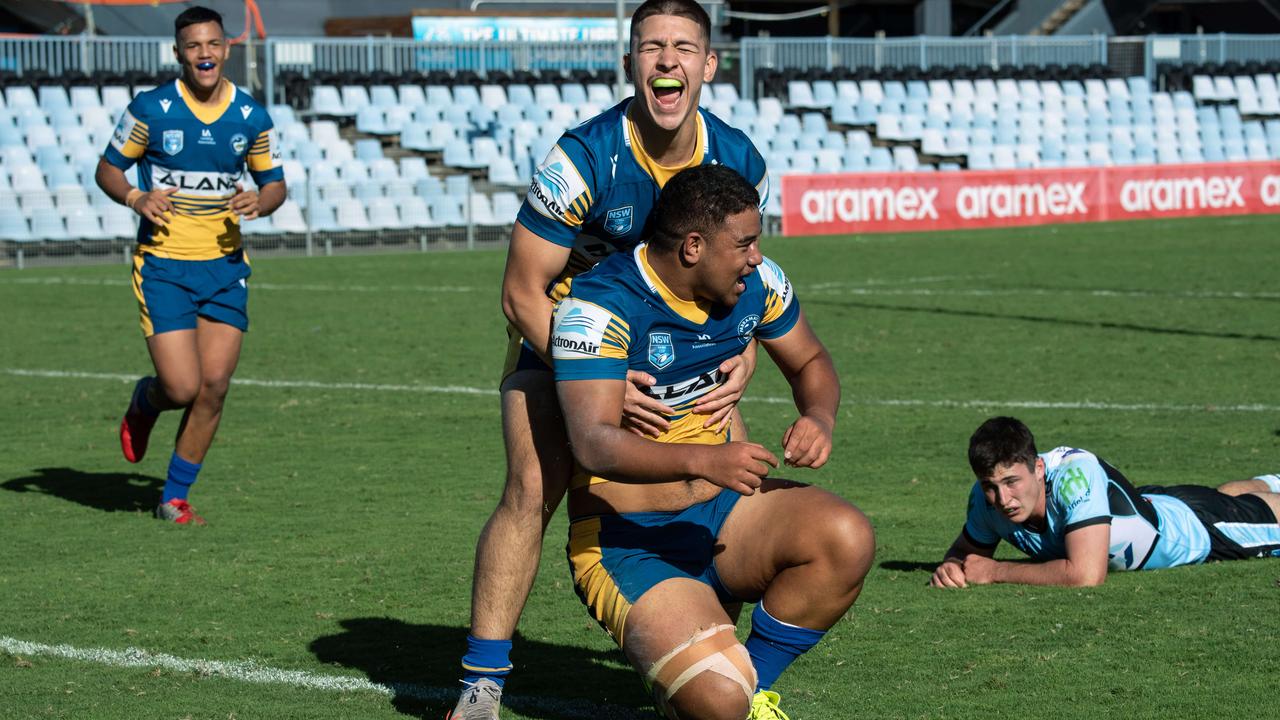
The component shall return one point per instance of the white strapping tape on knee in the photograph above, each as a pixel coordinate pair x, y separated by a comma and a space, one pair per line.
715, 650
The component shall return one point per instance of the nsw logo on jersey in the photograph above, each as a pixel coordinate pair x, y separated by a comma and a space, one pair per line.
579, 329
555, 186
661, 350
618, 220
171, 141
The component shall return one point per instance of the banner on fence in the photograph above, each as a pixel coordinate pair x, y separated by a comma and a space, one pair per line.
905, 202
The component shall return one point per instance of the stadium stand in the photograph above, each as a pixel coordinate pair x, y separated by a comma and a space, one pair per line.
394, 156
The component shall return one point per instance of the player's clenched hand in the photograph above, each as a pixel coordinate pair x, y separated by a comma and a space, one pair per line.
979, 569
155, 206
950, 574
641, 413
244, 203
739, 466
721, 401
807, 443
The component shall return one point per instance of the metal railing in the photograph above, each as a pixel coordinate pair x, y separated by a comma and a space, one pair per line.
923, 52
406, 57
85, 53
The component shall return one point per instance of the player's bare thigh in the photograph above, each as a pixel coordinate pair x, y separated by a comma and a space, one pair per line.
538, 457
784, 524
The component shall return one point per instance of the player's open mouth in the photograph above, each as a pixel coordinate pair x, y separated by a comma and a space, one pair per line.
206, 68
740, 286
667, 92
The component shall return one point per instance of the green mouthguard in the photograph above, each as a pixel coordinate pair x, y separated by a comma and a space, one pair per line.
667, 83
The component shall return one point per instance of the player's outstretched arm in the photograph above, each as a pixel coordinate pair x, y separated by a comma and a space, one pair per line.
950, 574
593, 416
533, 263
815, 387
1084, 566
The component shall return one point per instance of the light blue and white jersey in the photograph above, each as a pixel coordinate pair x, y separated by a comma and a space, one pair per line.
1148, 531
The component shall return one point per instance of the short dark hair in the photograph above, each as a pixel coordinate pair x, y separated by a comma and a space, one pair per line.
698, 200
195, 16
680, 8
1000, 441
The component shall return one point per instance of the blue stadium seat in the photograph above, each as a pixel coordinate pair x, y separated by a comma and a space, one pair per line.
415, 213
83, 224
383, 96
83, 97
385, 215
46, 224
325, 101
370, 120
448, 210
288, 218
13, 225
368, 149
411, 96
354, 97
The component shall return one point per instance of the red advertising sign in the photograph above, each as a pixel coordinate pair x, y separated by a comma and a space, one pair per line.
904, 202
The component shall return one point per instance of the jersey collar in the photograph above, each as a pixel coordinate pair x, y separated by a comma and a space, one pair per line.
205, 114
690, 310
662, 173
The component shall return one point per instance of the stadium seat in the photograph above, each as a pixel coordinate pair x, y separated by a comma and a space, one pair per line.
502, 171
384, 215
288, 218
414, 213
448, 210
118, 221
325, 102
506, 206
383, 97
47, 224
83, 224
354, 97
411, 96
371, 120
13, 225
546, 94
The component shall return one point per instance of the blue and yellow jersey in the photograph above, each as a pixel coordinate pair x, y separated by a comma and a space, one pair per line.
620, 316
203, 153
595, 190
1148, 530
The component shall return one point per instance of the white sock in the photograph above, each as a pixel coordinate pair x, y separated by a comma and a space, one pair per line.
1272, 481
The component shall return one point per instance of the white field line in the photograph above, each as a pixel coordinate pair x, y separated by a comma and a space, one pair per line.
252, 672
871, 286
848, 402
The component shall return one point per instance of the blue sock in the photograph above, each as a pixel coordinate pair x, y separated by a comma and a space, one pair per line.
486, 659
140, 400
773, 645
182, 475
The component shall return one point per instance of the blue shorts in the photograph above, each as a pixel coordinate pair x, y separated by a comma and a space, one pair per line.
172, 293
615, 559
520, 356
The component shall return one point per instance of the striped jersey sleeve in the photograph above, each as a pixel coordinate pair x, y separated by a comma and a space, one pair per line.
265, 162
129, 139
560, 195
781, 309
589, 341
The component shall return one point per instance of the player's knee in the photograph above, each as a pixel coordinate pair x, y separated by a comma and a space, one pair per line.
710, 696
850, 542
214, 389
707, 677
180, 391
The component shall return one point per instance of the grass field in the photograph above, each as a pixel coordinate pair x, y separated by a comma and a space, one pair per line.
360, 453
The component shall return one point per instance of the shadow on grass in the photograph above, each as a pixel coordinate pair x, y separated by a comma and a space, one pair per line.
110, 492
420, 665
909, 565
